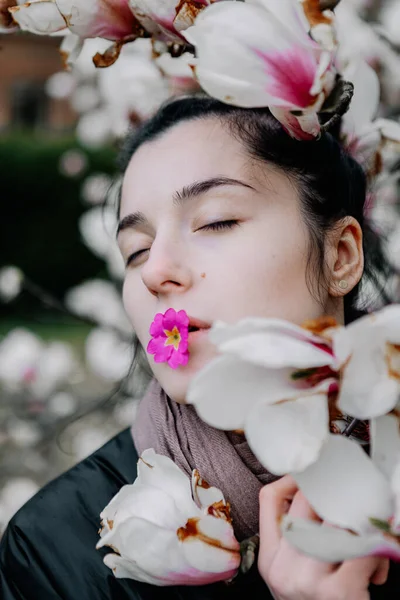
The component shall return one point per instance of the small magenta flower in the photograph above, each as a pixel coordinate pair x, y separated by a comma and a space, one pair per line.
169, 341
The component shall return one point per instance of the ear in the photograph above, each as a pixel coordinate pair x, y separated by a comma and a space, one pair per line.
345, 257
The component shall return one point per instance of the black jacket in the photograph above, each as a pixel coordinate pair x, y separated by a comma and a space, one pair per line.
48, 550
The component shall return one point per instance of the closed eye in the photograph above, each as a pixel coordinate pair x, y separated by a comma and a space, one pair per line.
217, 226
135, 255
220, 225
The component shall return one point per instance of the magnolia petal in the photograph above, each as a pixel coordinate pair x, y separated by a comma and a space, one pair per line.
275, 350
124, 568
279, 343
143, 503
395, 483
156, 549
225, 390
389, 129
344, 487
288, 436
70, 49
108, 19
300, 128
335, 545
203, 494
289, 14
256, 62
41, 17
365, 102
209, 545
385, 444
161, 473
376, 391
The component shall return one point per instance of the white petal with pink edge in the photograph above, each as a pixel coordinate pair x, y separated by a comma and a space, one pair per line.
335, 545
345, 488
272, 343
41, 17
259, 60
109, 19
288, 436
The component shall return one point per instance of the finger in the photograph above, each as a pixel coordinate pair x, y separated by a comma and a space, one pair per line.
361, 569
275, 500
381, 574
301, 508
312, 568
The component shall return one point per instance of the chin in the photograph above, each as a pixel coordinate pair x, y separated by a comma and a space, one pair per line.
175, 382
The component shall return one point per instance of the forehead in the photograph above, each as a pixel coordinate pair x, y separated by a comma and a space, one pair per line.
190, 151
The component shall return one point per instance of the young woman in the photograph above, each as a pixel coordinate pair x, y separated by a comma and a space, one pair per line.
221, 214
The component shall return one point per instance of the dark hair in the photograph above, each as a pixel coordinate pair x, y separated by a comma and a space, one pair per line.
330, 183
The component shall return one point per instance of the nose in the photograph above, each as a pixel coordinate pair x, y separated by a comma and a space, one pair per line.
166, 270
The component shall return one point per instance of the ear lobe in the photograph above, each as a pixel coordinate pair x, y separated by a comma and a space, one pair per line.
349, 257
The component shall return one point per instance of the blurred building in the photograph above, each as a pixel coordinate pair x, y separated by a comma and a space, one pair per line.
26, 62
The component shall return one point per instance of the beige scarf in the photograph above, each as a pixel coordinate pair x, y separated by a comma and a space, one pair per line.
223, 459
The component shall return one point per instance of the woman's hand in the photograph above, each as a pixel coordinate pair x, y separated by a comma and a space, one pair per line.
291, 575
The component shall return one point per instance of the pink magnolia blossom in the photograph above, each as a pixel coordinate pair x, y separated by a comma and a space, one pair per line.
261, 53
169, 341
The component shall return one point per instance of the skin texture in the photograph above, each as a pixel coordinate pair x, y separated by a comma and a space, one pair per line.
257, 268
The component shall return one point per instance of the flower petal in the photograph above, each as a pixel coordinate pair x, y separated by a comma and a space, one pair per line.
275, 350
203, 494
344, 487
373, 339
246, 56
365, 101
210, 546
142, 502
288, 436
335, 545
227, 389
302, 128
272, 342
385, 443
41, 17
109, 19
127, 569
161, 473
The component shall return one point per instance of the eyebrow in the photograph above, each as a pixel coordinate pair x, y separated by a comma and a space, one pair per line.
193, 190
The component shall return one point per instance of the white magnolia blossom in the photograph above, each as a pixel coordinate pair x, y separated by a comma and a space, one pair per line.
260, 53
357, 39
11, 281
95, 188
107, 355
13, 495
99, 300
168, 530
362, 134
360, 497
28, 363
278, 382
97, 227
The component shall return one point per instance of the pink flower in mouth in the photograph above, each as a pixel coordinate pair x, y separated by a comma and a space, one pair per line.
169, 341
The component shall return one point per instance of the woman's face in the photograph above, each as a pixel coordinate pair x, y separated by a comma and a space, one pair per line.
194, 175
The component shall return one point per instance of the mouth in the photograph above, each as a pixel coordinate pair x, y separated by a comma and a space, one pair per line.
197, 325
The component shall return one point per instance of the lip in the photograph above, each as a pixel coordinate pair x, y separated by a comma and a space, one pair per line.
202, 325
